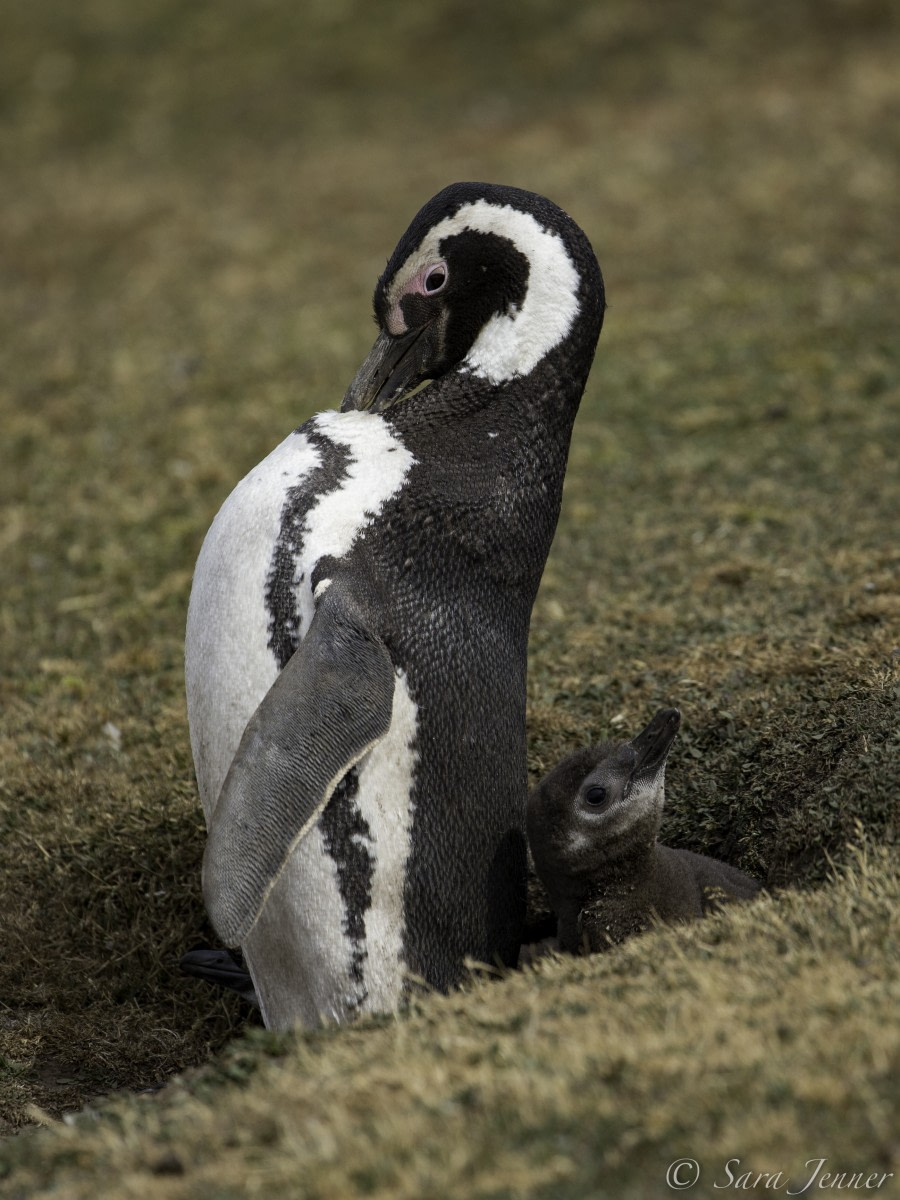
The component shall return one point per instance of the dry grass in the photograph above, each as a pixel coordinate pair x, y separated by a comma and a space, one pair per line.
575, 1078
196, 202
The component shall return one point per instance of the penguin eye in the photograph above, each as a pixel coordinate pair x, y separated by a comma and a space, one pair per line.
596, 795
435, 278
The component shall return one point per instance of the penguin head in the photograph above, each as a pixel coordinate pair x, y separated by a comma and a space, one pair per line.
487, 281
601, 803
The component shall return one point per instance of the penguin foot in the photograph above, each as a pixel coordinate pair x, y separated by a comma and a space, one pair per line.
219, 967
532, 952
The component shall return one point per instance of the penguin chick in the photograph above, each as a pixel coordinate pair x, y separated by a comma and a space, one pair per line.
592, 827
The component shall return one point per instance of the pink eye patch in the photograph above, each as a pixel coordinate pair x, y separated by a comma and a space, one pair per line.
427, 282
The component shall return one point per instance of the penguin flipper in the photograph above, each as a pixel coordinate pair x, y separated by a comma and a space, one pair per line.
329, 706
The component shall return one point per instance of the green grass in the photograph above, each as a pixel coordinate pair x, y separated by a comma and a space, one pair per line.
196, 202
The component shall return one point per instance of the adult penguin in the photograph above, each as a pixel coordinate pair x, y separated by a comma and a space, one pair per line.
358, 624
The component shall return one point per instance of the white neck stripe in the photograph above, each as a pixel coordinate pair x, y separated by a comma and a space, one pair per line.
510, 344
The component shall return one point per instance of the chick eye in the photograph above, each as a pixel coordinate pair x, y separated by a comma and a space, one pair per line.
595, 795
435, 278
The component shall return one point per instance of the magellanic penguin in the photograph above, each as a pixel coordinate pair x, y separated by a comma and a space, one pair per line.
356, 638
592, 828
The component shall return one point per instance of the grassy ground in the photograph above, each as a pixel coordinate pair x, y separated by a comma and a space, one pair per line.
196, 202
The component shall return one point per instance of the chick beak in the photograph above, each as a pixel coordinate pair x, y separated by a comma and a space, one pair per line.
652, 745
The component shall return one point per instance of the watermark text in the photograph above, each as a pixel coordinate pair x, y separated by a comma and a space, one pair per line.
815, 1175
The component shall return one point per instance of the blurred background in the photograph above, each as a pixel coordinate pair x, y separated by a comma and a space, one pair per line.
195, 202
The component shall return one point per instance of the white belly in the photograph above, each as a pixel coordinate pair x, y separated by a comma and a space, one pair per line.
299, 953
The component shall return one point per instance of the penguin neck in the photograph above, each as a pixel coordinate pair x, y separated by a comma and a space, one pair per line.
620, 879
544, 401
492, 456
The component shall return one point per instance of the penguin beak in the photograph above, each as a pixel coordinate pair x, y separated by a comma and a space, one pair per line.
393, 367
652, 745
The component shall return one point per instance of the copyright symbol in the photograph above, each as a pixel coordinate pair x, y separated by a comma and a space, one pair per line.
683, 1173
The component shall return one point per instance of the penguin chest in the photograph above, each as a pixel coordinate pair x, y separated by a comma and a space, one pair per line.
252, 599
329, 940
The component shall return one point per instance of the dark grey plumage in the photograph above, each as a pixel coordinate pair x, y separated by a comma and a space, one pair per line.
592, 828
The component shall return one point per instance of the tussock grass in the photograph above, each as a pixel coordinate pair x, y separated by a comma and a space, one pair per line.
196, 202
572, 1078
